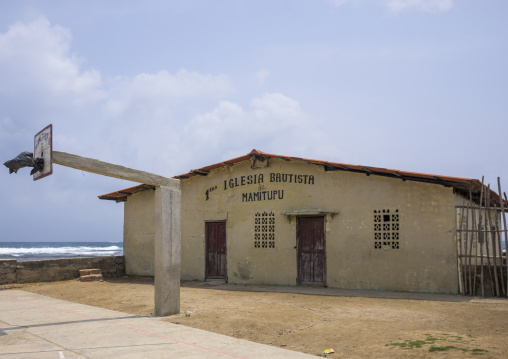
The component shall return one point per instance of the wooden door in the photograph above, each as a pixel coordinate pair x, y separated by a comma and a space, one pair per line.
215, 234
311, 250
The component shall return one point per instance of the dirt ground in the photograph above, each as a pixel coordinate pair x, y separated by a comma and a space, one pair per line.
356, 324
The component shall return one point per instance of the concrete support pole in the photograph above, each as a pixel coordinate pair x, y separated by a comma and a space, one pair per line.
167, 250
167, 224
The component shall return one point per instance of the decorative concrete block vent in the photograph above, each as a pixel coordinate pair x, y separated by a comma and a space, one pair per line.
90, 275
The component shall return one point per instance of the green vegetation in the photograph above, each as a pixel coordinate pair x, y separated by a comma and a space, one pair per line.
432, 340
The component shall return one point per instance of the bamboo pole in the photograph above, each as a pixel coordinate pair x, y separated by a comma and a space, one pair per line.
459, 250
500, 249
505, 238
491, 207
483, 230
493, 279
480, 240
503, 264
468, 256
475, 241
466, 274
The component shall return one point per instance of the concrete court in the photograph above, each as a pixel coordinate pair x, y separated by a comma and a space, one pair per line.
35, 326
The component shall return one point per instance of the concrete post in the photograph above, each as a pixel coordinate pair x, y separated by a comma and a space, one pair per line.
167, 224
167, 250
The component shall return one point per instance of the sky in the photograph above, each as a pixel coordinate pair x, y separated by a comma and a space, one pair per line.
170, 86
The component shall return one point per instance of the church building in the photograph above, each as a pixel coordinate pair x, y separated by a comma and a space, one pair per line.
277, 220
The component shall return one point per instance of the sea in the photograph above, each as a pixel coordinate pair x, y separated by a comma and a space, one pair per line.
32, 251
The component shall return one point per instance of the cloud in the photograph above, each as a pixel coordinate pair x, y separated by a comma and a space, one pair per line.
169, 144
160, 122
120, 119
338, 3
229, 124
276, 106
147, 114
272, 123
432, 6
35, 59
261, 76
155, 93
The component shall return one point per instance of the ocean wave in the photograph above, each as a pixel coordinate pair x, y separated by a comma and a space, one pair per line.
60, 250
27, 251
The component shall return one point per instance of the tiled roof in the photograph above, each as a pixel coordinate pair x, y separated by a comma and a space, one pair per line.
121, 196
461, 185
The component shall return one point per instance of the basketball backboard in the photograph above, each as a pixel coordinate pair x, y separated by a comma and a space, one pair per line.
43, 148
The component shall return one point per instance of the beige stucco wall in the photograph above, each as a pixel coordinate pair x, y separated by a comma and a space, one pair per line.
139, 225
426, 260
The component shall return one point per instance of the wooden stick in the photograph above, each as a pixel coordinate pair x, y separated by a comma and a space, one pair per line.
484, 230
472, 277
476, 241
480, 239
494, 280
466, 275
500, 249
492, 208
459, 250
505, 240
503, 263
468, 256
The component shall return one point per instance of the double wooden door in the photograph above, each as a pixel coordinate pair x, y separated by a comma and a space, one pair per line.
311, 250
216, 254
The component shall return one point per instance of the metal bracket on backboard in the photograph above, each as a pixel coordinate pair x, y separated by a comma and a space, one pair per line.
43, 148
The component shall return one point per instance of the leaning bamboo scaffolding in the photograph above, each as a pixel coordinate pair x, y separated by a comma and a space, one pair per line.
481, 234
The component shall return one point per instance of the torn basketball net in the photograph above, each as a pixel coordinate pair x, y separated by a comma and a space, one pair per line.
25, 159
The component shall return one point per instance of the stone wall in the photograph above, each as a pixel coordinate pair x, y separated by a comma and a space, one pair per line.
8, 271
50, 270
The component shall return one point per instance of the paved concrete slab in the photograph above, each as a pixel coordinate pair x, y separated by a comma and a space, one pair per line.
35, 326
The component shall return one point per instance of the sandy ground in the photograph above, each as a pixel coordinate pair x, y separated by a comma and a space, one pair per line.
356, 324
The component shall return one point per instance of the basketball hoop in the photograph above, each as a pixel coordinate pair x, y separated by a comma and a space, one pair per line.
43, 148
